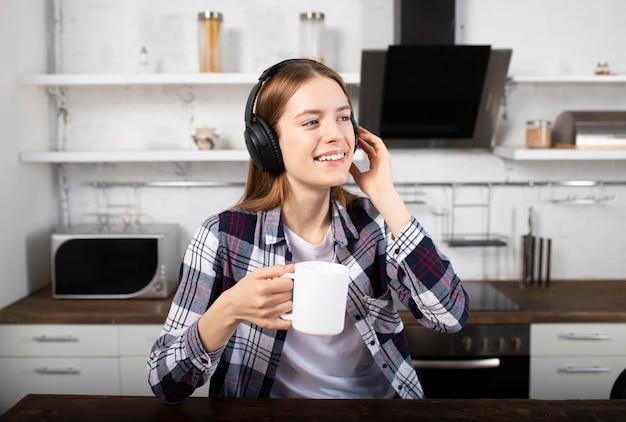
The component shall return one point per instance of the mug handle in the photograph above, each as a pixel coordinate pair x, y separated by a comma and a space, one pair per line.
289, 315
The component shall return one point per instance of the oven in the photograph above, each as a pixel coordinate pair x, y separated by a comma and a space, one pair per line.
480, 361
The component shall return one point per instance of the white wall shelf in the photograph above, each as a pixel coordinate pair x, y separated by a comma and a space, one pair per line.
574, 79
232, 79
59, 157
133, 156
558, 154
236, 155
88, 79
95, 79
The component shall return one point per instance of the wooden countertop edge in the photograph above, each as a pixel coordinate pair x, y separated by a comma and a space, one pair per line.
523, 317
476, 318
566, 302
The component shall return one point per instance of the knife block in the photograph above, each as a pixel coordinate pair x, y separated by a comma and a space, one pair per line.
536, 260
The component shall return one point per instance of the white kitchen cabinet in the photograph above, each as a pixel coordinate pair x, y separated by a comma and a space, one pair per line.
58, 359
576, 361
76, 359
22, 340
45, 375
135, 344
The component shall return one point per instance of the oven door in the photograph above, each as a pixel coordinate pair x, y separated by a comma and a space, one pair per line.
474, 377
480, 361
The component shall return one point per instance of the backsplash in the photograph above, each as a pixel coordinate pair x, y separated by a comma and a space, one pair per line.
106, 37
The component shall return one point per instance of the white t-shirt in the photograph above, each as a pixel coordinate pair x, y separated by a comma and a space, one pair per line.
338, 366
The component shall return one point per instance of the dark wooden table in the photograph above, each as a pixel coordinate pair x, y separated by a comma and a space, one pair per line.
68, 408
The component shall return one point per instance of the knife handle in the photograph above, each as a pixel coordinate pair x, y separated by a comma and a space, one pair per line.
548, 261
532, 259
540, 261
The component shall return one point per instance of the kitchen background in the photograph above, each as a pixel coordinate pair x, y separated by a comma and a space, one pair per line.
548, 38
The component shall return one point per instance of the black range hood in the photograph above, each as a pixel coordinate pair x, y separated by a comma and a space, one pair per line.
433, 96
427, 92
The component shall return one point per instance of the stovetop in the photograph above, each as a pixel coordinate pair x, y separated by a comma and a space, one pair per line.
482, 297
485, 297
473, 340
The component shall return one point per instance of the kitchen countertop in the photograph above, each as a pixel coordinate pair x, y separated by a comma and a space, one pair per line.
563, 301
38, 407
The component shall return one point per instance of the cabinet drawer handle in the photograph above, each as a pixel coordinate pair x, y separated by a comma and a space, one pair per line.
575, 336
456, 364
584, 369
57, 371
55, 339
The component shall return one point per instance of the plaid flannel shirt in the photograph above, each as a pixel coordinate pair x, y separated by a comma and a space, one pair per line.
233, 243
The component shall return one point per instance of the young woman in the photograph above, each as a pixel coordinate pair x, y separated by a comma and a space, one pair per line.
224, 326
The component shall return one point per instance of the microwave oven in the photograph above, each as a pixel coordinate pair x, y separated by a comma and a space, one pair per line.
115, 261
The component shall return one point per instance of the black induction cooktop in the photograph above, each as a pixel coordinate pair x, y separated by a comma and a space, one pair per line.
482, 297
485, 297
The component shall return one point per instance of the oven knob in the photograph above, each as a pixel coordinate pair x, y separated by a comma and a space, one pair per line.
501, 343
467, 343
517, 343
483, 343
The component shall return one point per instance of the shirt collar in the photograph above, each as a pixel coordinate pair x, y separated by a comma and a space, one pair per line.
342, 227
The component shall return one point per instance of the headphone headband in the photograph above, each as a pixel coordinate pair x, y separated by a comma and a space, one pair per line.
267, 73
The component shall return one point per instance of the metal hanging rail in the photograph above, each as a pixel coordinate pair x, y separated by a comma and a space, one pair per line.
217, 183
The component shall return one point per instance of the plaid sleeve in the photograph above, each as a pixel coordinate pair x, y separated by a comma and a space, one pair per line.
437, 298
178, 362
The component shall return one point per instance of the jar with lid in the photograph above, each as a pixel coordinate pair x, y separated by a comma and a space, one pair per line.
312, 36
538, 133
209, 42
602, 68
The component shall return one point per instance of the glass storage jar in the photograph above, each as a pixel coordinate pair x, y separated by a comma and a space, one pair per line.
538, 133
209, 27
312, 36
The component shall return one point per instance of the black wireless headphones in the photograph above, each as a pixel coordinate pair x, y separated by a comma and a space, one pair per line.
261, 139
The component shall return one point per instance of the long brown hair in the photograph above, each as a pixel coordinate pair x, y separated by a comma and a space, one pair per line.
265, 190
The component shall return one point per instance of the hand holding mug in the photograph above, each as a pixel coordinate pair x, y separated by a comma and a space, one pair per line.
262, 296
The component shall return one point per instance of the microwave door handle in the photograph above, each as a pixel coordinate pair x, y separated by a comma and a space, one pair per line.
456, 364
54, 339
56, 371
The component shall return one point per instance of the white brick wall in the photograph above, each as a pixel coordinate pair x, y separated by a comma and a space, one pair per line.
560, 36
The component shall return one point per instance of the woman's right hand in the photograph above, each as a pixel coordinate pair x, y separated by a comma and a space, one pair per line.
261, 298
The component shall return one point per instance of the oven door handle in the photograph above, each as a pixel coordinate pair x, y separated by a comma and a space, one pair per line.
456, 364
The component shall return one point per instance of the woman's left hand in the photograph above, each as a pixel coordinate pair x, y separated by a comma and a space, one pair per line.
377, 182
378, 178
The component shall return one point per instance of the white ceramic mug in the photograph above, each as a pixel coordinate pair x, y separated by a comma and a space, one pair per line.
320, 291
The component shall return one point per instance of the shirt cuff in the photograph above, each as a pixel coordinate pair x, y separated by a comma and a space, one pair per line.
200, 358
406, 241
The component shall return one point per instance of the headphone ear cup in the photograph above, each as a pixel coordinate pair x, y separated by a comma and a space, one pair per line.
262, 144
273, 156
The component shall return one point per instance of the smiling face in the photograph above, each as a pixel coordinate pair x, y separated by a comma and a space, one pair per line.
316, 135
